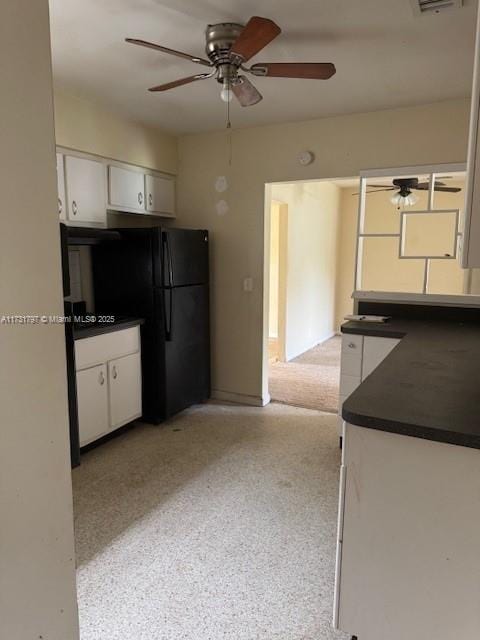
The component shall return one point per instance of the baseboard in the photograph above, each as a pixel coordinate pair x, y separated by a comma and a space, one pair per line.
313, 345
240, 398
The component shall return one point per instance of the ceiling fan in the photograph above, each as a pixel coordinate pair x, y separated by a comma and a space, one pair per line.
405, 187
228, 47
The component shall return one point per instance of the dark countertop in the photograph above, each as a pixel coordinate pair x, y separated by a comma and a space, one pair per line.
427, 387
87, 330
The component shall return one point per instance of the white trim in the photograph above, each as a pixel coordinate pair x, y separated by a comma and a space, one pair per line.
240, 398
454, 167
418, 298
472, 159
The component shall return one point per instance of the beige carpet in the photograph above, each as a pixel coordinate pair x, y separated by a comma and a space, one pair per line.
311, 380
218, 525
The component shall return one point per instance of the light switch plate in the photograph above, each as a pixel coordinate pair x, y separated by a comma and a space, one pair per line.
248, 284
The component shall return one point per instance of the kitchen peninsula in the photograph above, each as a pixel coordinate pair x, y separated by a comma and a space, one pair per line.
408, 549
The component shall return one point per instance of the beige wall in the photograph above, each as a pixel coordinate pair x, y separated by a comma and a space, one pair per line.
274, 270
92, 128
37, 563
313, 213
343, 146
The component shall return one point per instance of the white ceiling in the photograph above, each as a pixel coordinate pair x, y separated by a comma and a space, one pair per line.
384, 54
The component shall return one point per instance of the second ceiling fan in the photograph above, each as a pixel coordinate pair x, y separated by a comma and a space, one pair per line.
229, 46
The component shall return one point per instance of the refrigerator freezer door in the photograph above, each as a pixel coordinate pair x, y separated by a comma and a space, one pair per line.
185, 258
187, 348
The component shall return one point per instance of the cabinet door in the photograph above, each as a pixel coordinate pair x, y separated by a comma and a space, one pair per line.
85, 182
62, 205
92, 398
126, 189
374, 351
125, 381
160, 194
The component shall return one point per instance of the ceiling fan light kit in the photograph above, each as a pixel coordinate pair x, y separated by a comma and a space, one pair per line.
404, 188
229, 46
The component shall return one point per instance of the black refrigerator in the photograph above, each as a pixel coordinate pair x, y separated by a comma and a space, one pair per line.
161, 275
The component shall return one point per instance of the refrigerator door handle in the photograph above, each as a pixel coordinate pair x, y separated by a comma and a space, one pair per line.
168, 255
168, 314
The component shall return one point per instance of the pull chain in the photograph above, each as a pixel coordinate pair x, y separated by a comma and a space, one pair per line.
229, 129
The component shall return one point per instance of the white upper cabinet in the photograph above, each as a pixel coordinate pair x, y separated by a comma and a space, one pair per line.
62, 204
85, 191
89, 186
471, 233
126, 189
160, 193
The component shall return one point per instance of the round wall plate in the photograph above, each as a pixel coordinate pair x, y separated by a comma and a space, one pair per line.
305, 157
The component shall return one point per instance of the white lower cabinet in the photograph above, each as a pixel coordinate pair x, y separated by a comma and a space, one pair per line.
408, 549
92, 398
109, 382
124, 377
374, 351
360, 356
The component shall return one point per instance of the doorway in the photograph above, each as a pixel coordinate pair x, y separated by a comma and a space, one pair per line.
277, 281
303, 265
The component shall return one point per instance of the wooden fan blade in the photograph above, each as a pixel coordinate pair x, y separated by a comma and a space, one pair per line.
245, 92
257, 33
426, 185
377, 190
308, 70
448, 189
438, 187
173, 52
179, 83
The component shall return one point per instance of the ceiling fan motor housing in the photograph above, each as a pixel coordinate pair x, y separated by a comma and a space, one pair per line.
406, 185
219, 41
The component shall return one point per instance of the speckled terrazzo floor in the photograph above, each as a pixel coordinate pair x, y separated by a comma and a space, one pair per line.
220, 524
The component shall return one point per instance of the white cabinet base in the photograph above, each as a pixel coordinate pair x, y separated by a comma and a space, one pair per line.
409, 552
109, 382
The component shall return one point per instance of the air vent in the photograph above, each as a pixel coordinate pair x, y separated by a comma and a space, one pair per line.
425, 7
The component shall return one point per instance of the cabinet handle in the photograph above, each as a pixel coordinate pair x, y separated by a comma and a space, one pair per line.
150, 199
140, 197
352, 345
101, 378
114, 372
60, 206
74, 208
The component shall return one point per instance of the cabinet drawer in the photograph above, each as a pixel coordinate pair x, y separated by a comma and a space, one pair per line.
107, 346
351, 360
348, 384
